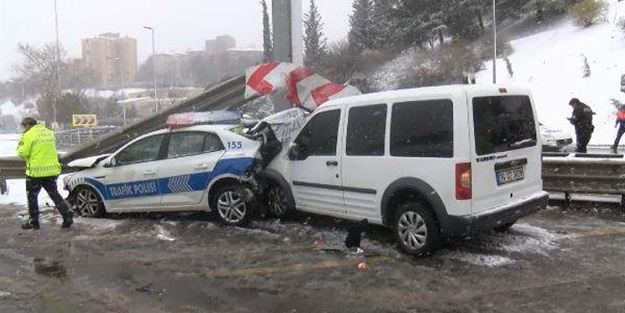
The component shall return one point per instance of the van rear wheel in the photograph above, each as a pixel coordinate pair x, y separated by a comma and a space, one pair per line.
416, 229
504, 227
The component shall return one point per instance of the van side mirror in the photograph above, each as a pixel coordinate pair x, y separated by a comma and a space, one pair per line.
297, 152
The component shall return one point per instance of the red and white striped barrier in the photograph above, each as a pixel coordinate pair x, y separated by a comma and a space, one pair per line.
304, 88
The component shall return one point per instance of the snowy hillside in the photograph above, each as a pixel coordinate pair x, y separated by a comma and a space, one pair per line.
552, 64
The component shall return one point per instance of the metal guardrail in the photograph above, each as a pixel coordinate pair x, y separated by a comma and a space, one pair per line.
585, 174
227, 95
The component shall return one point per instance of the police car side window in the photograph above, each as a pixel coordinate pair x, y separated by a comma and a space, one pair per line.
185, 143
212, 143
144, 150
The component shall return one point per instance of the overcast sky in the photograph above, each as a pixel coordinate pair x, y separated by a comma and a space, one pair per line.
179, 25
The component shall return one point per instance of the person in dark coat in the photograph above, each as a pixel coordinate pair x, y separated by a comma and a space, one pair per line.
620, 123
582, 120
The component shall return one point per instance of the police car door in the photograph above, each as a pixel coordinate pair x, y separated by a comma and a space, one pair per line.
191, 159
131, 184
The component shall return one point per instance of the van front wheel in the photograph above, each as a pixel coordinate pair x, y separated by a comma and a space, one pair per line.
416, 229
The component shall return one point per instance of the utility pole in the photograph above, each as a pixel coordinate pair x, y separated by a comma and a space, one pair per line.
121, 78
494, 45
58, 68
156, 105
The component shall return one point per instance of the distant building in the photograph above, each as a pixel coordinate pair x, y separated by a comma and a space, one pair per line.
220, 44
112, 58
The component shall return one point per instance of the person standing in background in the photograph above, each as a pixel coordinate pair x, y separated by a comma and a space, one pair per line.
38, 148
582, 120
620, 123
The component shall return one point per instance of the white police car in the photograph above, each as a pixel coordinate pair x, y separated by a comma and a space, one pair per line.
555, 140
190, 168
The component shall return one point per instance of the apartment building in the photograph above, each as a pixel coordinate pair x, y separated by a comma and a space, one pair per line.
112, 58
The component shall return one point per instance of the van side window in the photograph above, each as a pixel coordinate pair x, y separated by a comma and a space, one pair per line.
366, 129
422, 129
503, 123
319, 136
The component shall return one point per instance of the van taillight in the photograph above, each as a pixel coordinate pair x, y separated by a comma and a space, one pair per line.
463, 181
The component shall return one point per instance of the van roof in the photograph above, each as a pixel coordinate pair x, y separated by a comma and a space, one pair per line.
385, 96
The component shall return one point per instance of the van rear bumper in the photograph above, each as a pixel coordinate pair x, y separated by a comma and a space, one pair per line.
471, 225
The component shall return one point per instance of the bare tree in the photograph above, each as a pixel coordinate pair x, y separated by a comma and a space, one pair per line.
38, 69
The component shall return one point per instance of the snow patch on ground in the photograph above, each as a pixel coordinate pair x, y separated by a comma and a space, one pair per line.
99, 224
480, 259
4, 294
163, 234
501, 248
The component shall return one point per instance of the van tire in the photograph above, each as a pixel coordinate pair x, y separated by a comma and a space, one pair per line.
504, 227
277, 201
416, 229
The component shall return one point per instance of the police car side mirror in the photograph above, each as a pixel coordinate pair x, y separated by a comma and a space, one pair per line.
111, 162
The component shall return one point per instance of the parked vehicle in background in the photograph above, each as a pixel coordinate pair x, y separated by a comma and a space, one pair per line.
426, 162
193, 168
555, 140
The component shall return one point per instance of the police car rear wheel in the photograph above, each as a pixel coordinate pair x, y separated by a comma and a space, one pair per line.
230, 207
88, 203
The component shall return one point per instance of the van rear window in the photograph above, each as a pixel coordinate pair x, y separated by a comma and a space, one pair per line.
503, 123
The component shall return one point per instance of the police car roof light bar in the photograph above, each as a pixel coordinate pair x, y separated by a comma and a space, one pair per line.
203, 118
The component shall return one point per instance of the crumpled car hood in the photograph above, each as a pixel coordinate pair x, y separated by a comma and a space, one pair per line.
88, 162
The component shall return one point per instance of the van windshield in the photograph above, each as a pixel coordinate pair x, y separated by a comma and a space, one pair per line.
503, 123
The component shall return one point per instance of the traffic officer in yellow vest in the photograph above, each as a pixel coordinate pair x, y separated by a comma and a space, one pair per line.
38, 148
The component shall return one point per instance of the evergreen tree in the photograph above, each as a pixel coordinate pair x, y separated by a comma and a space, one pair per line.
362, 31
463, 19
267, 43
385, 25
314, 42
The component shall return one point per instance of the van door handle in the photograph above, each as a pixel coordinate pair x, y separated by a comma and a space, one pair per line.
332, 163
149, 173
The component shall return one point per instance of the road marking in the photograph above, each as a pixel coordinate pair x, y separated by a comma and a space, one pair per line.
604, 231
289, 268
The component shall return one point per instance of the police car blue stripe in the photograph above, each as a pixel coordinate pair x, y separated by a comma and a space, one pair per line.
173, 184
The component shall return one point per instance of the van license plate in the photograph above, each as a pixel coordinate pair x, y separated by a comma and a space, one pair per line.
510, 175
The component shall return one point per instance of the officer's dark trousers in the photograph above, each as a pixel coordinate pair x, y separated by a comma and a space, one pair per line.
583, 137
33, 187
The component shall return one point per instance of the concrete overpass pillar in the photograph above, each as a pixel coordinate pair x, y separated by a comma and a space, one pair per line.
287, 39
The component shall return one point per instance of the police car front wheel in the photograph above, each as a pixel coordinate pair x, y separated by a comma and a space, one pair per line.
87, 202
229, 206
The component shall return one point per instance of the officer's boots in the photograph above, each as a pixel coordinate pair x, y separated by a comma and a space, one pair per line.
31, 224
68, 220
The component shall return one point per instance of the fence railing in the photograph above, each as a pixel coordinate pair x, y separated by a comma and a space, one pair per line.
583, 173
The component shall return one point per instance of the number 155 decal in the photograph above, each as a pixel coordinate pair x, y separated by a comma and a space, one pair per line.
232, 145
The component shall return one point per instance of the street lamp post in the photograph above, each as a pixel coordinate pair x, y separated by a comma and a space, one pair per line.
123, 96
153, 67
494, 45
58, 66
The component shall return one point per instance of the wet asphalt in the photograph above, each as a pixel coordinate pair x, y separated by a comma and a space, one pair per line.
558, 260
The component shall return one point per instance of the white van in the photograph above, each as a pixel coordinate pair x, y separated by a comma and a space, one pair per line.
448, 160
